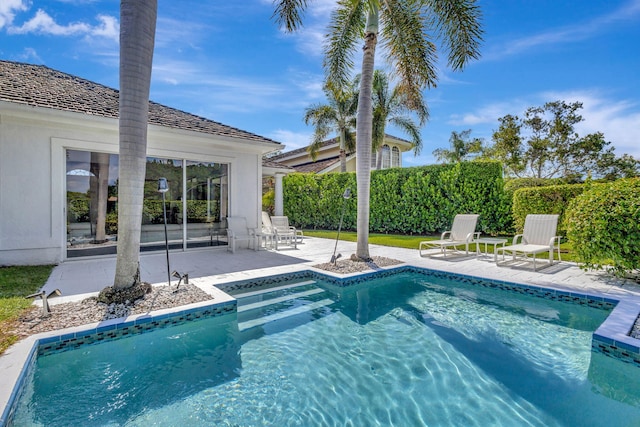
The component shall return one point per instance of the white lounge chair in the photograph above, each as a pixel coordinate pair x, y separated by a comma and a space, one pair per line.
237, 231
284, 233
538, 236
463, 232
282, 223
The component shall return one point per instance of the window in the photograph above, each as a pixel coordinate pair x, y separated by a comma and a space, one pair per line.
386, 157
194, 212
395, 157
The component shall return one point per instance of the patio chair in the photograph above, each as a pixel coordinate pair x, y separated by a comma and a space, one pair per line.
268, 233
538, 236
237, 231
283, 231
463, 232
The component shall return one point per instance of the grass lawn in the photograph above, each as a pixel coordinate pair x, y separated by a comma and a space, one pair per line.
15, 284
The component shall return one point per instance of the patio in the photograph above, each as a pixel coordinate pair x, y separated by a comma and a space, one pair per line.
209, 267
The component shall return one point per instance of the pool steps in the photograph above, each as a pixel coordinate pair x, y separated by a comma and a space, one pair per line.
255, 305
261, 304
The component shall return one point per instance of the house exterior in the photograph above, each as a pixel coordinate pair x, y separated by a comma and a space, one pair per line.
328, 157
59, 171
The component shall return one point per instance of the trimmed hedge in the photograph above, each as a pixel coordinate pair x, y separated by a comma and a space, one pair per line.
419, 200
553, 199
604, 226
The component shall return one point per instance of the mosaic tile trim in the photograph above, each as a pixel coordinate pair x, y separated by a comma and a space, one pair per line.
141, 325
618, 350
551, 294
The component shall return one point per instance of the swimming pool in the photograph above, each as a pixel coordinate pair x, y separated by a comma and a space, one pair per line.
408, 349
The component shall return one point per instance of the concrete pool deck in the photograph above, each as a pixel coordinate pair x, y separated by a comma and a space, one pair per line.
78, 279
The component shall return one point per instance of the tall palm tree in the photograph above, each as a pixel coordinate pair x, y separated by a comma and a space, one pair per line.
392, 107
336, 116
137, 39
406, 39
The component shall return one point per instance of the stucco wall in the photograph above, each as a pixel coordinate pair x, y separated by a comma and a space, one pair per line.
32, 173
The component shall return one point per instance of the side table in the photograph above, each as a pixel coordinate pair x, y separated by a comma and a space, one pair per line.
490, 241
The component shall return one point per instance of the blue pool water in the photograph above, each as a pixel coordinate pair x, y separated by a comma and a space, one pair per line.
405, 350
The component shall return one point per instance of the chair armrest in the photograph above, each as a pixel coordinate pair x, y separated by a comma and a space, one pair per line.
516, 238
474, 236
444, 235
553, 241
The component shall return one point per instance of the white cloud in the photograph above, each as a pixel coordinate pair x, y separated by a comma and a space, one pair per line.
617, 119
8, 9
488, 114
43, 23
109, 27
292, 140
568, 34
30, 55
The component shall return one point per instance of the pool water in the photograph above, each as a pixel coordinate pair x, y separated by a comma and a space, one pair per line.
405, 350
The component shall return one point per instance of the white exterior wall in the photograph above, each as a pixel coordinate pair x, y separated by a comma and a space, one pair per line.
33, 167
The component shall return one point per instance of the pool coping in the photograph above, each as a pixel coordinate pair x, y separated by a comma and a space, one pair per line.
608, 339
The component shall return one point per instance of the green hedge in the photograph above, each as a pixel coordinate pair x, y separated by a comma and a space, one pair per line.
553, 199
419, 200
604, 226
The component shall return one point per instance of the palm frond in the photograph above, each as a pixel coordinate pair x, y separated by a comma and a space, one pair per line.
288, 13
458, 25
345, 30
411, 51
410, 128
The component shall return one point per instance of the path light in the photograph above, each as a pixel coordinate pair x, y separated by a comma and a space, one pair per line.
180, 278
163, 187
45, 305
346, 196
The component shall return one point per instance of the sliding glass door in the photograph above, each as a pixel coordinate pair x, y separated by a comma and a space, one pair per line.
195, 203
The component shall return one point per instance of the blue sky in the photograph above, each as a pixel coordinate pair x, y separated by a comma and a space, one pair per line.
229, 62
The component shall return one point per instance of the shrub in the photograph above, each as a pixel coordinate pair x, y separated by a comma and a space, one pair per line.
603, 225
414, 200
553, 199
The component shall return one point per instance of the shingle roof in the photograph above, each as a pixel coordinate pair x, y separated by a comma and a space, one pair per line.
40, 86
316, 166
325, 144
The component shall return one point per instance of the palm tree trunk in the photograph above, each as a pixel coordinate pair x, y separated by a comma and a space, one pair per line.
137, 37
364, 131
343, 154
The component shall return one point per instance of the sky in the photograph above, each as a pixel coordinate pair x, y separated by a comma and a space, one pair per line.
228, 61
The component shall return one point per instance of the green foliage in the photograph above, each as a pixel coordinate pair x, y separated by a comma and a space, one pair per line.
268, 201
552, 199
418, 200
604, 226
462, 148
552, 147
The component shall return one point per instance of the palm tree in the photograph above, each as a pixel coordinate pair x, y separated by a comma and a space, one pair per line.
391, 107
137, 38
405, 37
462, 147
336, 116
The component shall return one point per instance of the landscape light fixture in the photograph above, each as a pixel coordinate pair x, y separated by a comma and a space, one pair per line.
45, 304
163, 187
346, 196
